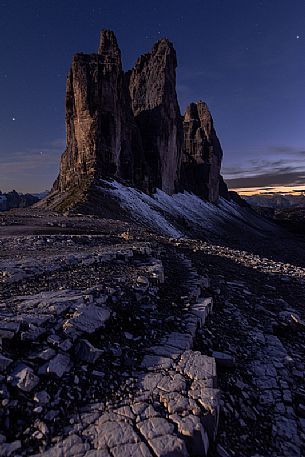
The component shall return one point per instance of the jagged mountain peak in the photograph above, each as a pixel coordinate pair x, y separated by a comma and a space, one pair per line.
128, 126
108, 46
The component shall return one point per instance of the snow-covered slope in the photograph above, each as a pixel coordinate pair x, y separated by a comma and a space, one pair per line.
181, 214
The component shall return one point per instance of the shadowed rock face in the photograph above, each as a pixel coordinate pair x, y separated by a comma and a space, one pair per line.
202, 153
129, 126
152, 85
13, 199
102, 137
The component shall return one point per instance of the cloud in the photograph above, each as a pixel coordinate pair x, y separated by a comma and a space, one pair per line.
264, 188
254, 167
284, 177
286, 170
287, 150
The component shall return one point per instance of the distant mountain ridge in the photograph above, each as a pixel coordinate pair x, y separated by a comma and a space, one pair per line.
14, 199
276, 201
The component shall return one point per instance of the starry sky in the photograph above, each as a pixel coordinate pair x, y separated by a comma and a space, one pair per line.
246, 59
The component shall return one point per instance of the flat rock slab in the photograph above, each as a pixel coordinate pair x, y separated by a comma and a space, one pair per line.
112, 434
168, 446
88, 319
154, 362
175, 383
57, 366
130, 450
154, 427
73, 446
197, 366
223, 359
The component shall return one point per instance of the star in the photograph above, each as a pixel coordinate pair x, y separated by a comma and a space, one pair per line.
13, 118
298, 37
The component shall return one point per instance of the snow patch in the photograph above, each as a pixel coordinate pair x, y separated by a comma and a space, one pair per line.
164, 213
142, 206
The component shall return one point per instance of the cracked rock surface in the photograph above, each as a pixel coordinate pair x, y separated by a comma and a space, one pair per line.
256, 335
117, 342
97, 334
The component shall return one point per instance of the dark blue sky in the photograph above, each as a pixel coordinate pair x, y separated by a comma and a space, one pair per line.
246, 59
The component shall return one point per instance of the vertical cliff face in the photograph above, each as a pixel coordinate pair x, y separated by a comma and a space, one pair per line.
202, 153
102, 137
129, 126
152, 85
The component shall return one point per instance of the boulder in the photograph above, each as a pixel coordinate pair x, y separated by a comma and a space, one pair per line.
24, 378
57, 366
85, 351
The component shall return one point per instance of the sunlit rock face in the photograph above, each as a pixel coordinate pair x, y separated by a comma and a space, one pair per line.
152, 85
102, 137
202, 153
128, 126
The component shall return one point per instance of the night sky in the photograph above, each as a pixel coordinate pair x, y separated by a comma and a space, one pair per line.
246, 59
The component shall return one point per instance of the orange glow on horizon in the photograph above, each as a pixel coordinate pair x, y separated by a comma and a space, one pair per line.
291, 190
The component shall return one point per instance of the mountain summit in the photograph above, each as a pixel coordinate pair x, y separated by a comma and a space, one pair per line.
128, 127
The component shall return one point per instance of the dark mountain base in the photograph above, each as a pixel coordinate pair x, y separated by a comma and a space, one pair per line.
292, 219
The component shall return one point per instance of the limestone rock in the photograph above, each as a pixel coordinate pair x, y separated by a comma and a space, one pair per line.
131, 450
4, 362
168, 445
202, 153
102, 137
128, 126
71, 446
111, 434
24, 378
223, 359
57, 366
152, 85
85, 351
88, 319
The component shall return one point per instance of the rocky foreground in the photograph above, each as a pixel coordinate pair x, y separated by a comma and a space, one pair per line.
117, 342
